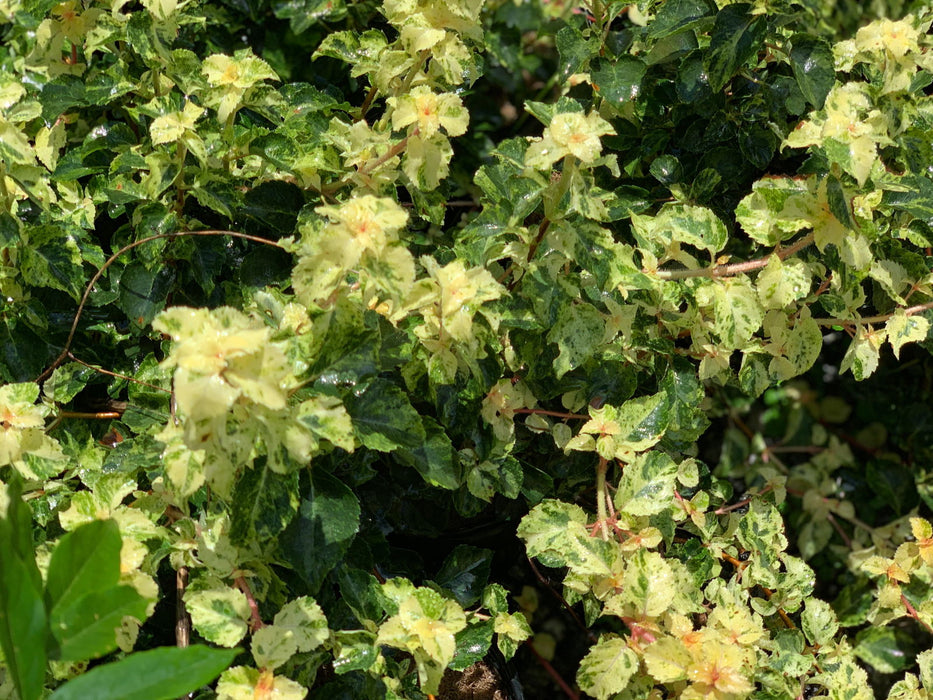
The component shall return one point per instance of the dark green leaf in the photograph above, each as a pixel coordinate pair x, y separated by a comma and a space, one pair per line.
384, 418
302, 14
143, 292
677, 15
667, 170
157, 674
83, 561
23, 352
575, 51
264, 266
619, 81
893, 484
811, 58
264, 503
915, 197
328, 519
465, 572
362, 593
838, 204
473, 644
61, 95
435, 458
737, 36
272, 207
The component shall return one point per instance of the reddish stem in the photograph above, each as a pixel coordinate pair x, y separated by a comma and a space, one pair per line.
552, 672
556, 414
256, 620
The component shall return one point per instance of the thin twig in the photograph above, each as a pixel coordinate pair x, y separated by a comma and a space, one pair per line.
90, 286
912, 611
102, 415
909, 311
182, 618
734, 268
101, 370
556, 414
552, 672
743, 502
842, 533
256, 620
563, 601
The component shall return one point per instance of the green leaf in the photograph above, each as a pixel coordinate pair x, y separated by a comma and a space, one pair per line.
435, 459
683, 223
328, 519
738, 313
14, 146
575, 51
619, 82
357, 651
902, 329
925, 662
649, 587
51, 258
66, 382
84, 561
473, 644
218, 614
647, 485
678, 15
819, 622
839, 202
607, 668
811, 59
886, 649
555, 533
303, 14
914, 194
157, 674
863, 354
362, 593
384, 418
737, 36
23, 624
143, 292
578, 332
465, 572
86, 627
264, 503
893, 484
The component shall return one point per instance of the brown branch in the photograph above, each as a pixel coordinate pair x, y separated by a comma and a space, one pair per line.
90, 286
909, 311
101, 370
182, 618
842, 533
552, 672
743, 502
367, 102
912, 611
556, 414
103, 415
256, 621
563, 601
734, 268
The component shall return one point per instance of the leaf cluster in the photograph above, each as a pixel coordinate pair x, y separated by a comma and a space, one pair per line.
310, 348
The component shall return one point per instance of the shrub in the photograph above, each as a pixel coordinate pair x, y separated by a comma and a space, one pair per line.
284, 341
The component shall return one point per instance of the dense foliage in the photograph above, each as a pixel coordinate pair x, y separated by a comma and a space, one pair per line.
297, 294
